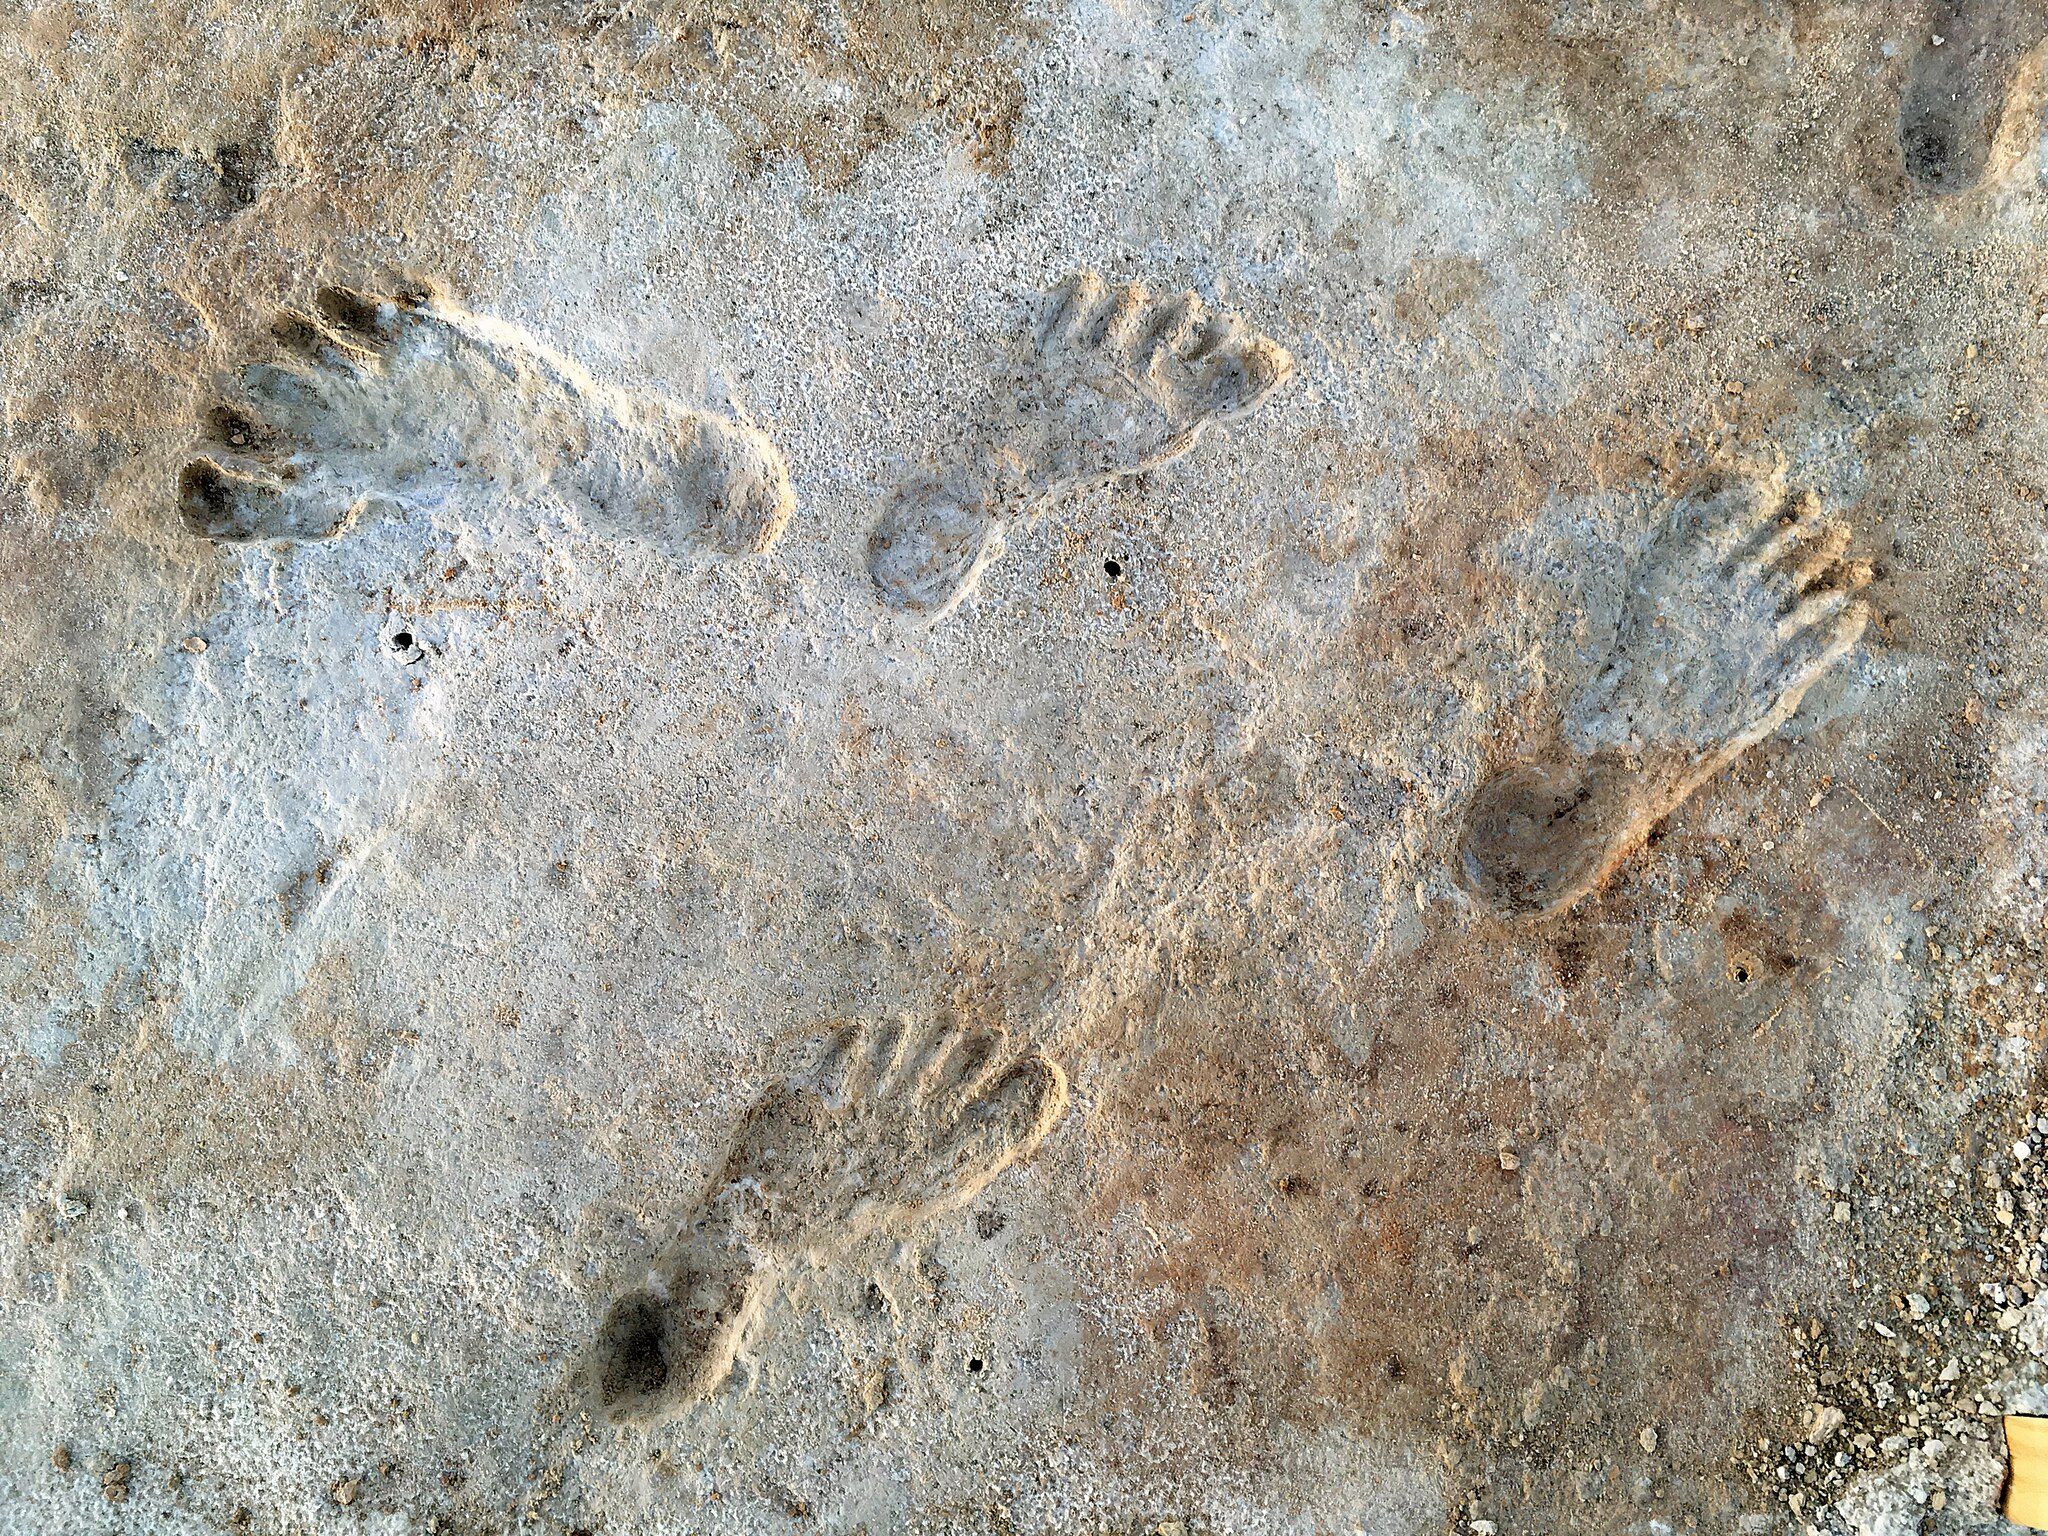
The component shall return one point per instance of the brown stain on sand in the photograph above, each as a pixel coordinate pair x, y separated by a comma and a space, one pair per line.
1514, 1172
789, 81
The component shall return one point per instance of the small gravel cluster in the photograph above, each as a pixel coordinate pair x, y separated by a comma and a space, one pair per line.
1940, 1259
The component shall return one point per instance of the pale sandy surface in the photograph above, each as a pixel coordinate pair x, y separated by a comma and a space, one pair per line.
370, 1011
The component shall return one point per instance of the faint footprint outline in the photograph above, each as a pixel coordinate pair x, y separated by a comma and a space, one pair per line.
1970, 106
892, 1127
1118, 383
376, 401
1742, 602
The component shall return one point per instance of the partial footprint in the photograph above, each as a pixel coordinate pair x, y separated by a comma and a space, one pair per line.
1120, 383
895, 1127
1741, 603
1970, 87
380, 401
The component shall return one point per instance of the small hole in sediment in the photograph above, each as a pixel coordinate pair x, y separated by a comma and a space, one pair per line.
402, 641
1113, 567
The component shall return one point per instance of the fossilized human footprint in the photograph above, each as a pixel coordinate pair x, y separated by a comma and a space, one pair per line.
1740, 604
1120, 383
380, 401
894, 1127
1972, 98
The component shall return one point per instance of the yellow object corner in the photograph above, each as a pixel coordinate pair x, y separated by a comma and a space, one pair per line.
2026, 1484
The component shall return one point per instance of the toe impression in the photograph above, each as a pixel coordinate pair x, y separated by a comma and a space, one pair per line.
1001, 1121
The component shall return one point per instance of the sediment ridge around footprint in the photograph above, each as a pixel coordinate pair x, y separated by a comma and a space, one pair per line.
1745, 599
893, 1127
1120, 382
376, 401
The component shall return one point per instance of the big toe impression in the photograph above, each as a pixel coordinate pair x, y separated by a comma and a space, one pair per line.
227, 508
1242, 375
1005, 1120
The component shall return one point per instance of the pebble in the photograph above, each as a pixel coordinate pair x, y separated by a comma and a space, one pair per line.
60, 1458
1648, 1438
1823, 1421
193, 643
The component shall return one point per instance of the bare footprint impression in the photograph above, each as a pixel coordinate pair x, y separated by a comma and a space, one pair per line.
893, 1127
1740, 604
1120, 383
1972, 99
375, 402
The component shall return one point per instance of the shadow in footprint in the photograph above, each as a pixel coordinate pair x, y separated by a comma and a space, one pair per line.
633, 1348
893, 1128
1960, 88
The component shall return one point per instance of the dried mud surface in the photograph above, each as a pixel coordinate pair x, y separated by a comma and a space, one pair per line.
1451, 940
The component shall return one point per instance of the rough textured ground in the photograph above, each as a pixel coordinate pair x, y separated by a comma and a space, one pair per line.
1402, 982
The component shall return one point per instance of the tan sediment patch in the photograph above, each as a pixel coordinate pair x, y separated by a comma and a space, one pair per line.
831, 87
